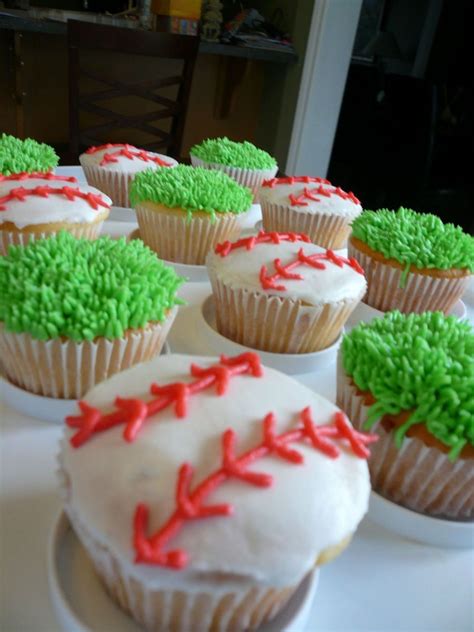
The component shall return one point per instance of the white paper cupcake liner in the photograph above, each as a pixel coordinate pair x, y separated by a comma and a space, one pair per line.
251, 178
115, 184
276, 324
324, 229
418, 477
421, 292
174, 238
66, 369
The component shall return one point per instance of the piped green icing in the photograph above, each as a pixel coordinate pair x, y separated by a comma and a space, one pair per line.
81, 289
192, 189
227, 152
417, 362
28, 155
417, 239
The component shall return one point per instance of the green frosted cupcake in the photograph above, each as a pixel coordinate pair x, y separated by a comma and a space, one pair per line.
184, 212
73, 311
20, 156
244, 162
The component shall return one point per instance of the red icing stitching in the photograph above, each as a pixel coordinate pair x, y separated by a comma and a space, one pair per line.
299, 200
134, 412
189, 505
273, 182
226, 247
129, 151
37, 175
94, 149
20, 194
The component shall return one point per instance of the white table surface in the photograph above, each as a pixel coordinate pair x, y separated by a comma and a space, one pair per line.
381, 583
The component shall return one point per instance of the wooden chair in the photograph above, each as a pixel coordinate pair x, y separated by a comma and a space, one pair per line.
94, 43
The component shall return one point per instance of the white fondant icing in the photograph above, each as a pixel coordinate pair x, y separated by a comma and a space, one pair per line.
124, 164
334, 205
275, 534
240, 269
35, 209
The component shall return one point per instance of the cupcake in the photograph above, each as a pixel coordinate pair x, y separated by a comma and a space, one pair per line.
184, 212
276, 470
244, 162
38, 205
74, 312
17, 156
278, 292
112, 167
413, 262
410, 379
309, 205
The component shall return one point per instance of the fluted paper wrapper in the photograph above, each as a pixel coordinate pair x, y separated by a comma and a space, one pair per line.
418, 477
174, 238
66, 369
275, 324
115, 184
324, 229
421, 293
251, 178
16, 238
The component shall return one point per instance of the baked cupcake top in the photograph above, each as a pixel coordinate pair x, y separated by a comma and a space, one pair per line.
123, 157
18, 155
81, 289
276, 470
191, 189
42, 198
287, 265
223, 151
420, 363
310, 195
415, 239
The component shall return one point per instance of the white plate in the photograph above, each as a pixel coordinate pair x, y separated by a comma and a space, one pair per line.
289, 363
82, 605
416, 526
37, 406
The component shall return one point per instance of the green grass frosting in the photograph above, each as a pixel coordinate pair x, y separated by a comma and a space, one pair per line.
419, 362
82, 289
192, 189
25, 155
227, 152
417, 239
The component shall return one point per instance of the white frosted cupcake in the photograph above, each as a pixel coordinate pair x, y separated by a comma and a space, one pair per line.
38, 205
217, 489
308, 205
278, 292
244, 162
113, 166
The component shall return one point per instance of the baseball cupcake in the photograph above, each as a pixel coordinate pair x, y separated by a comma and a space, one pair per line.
205, 490
74, 311
184, 212
18, 156
244, 162
313, 206
413, 262
38, 205
112, 167
278, 292
410, 379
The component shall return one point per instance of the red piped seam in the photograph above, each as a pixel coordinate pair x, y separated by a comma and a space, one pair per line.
95, 149
20, 194
226, 247
134, 412
131, 153
268, 282
311, 194
190, 504
273, 182
36, 175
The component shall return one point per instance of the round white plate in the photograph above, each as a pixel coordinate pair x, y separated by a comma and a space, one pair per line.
289, 363
416, 526
82, 604
44, 408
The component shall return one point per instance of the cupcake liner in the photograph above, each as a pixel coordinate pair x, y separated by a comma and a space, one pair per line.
81, 231
276, 324
174, 238
115, 184
418, 477
324, 229
66, 369
251, 178
421, 292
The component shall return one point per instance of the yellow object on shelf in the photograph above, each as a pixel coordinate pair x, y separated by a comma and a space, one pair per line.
177, 8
